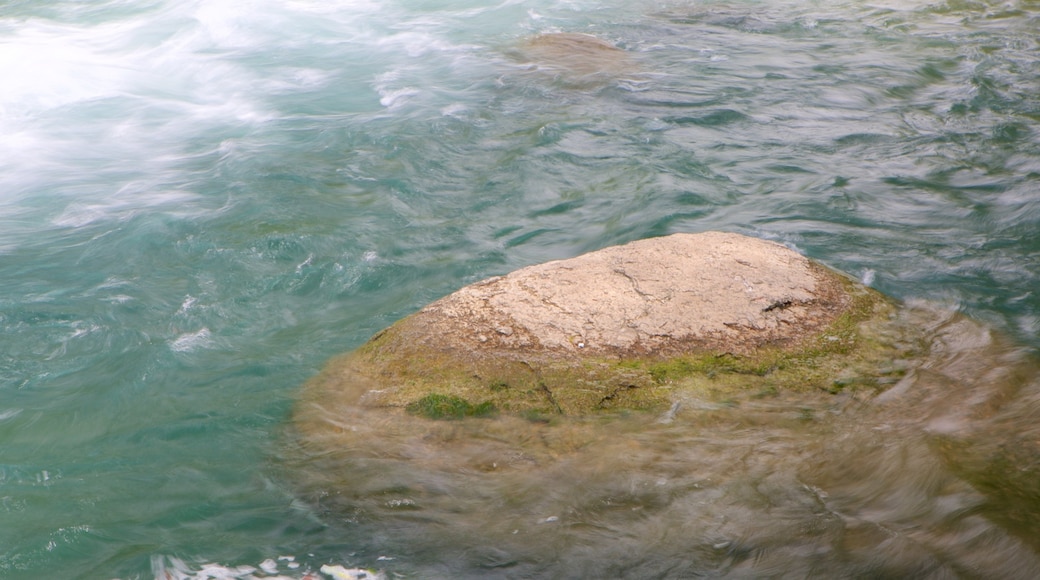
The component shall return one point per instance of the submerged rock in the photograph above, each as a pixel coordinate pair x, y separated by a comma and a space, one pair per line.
637, 326
575, 59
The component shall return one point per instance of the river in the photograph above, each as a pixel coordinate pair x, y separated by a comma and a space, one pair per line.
201, 202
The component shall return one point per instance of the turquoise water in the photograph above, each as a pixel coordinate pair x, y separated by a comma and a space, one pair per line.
201, 202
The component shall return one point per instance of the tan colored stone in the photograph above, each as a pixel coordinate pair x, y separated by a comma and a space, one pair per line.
714, 291
626, 327
575, 58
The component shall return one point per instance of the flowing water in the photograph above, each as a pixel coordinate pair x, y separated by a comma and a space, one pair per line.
202, 201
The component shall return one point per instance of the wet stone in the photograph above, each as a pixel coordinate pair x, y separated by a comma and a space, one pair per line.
717, 402
574, 59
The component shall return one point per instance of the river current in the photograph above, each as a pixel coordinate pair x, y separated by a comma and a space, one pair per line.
201, 202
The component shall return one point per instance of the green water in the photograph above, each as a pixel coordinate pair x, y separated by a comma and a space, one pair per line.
201, 202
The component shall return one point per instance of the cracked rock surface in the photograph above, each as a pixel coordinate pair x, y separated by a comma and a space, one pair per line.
716, 291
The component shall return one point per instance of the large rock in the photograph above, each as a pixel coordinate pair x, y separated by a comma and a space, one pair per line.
629, 327
767, 443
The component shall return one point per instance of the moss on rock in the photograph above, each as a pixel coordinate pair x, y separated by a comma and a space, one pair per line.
437, 406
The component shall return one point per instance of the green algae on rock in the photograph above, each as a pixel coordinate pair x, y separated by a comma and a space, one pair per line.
632, 327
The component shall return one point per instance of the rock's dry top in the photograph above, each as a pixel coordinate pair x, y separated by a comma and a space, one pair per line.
630, 326
711, 291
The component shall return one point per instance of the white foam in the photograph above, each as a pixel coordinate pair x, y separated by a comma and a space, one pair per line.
46, 65
172, 568
121, 206
188, 304
85, 107
457, 110
416, 44
326, 8
229, 24
392, 99
293, 80
190, 341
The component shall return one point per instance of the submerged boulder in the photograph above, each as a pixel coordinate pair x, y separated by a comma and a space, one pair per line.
575, 59
637, 326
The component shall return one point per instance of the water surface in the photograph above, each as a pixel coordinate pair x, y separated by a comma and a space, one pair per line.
201, 202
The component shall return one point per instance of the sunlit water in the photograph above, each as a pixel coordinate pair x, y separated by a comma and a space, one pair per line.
201, 202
